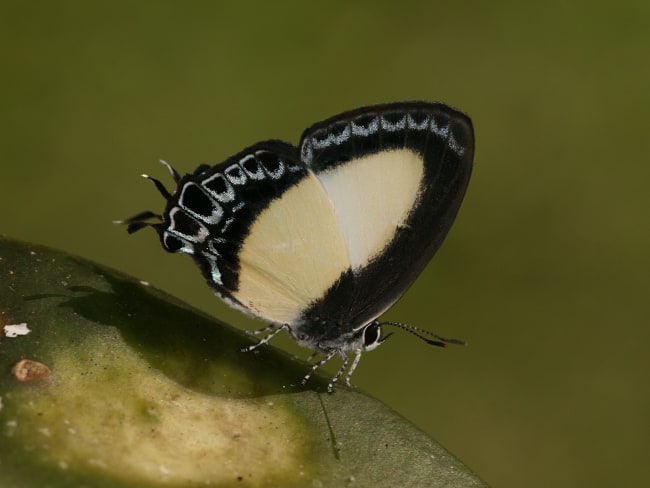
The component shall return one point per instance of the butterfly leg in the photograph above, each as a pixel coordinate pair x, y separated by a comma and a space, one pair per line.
263, 330
312, 356
275, 330
338, 374
323, 360
354, 365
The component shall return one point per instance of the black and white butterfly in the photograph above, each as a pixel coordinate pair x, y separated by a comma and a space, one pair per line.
321, 239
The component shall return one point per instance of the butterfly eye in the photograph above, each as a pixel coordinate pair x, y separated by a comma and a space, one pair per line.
372, 336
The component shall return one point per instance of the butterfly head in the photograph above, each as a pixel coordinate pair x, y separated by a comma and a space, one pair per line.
370, 337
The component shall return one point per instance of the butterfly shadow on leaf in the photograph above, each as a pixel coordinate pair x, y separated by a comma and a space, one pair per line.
191, 348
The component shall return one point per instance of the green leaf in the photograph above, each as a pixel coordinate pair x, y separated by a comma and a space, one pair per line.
112, 383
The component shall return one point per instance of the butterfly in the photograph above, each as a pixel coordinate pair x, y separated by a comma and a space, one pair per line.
321, 239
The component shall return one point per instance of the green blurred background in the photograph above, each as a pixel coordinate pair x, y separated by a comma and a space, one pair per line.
545, 272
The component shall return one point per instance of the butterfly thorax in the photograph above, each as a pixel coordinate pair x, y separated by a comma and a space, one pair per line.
326, 336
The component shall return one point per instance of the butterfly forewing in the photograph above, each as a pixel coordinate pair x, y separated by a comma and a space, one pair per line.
409, 165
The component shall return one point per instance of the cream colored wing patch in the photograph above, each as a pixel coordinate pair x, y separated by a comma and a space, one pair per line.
294, 252
372, 196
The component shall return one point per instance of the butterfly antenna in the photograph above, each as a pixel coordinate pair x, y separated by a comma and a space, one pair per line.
421, 333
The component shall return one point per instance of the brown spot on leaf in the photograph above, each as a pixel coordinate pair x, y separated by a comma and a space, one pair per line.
27, 370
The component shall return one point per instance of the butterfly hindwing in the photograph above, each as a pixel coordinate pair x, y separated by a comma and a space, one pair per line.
213, 209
